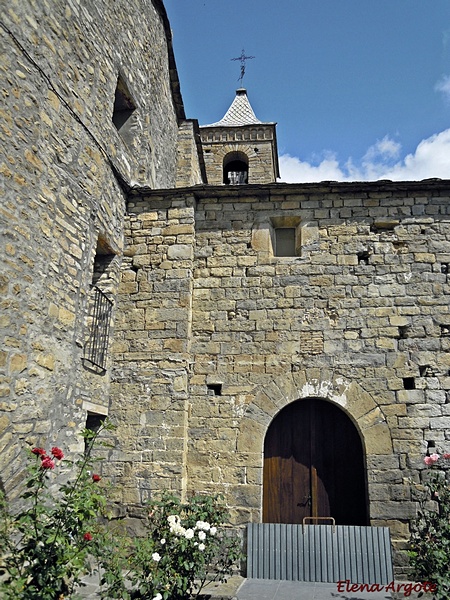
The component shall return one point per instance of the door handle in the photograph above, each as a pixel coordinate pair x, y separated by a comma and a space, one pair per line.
306, 501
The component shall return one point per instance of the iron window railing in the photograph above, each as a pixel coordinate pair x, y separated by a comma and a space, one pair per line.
95, 352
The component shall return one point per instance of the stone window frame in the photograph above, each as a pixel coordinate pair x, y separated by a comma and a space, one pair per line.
286, 222
264, 237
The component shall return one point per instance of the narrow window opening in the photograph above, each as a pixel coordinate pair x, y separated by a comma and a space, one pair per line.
123, 111
409, 383
214, 389
101, 273
93, 423
445, 268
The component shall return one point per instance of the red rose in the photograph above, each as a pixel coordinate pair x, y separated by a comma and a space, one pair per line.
96, 477
47, 463
39, 451
57, 453
446, 455
87, 536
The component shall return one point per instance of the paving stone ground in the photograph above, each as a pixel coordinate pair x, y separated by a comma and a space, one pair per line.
239, 588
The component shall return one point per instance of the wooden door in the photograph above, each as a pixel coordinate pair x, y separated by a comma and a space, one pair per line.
314, 466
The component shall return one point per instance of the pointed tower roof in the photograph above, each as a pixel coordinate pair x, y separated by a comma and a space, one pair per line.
240, 112
240, 145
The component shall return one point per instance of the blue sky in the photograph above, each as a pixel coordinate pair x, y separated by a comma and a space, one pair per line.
360, 89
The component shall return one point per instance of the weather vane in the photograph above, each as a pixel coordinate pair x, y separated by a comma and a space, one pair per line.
242, 58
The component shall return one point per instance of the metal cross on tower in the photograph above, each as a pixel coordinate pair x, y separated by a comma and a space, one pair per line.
242, 58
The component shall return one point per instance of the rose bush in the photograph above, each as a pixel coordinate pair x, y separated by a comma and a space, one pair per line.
430, 537
185, 549
44, 548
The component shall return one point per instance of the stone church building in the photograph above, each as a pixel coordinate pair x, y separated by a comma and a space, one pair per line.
286, 345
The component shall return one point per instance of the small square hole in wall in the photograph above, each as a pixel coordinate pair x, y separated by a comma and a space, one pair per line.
431, 447
426, 371
363, 257
445, 330
214, 389
445, 268
409, 383
403, 332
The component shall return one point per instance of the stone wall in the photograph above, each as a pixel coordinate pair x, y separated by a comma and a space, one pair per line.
190, 163
66, 169
360, 317
151, 350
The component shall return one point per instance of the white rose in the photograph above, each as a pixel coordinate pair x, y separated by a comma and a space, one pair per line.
201, 535
162, 542
157, 597
213, 530
189, 534
156, 557
201, 547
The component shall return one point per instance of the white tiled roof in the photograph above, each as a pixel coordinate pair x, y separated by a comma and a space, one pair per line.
239, 113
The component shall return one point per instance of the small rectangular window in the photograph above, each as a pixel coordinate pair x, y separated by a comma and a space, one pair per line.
285, 235
93, 423
285, 241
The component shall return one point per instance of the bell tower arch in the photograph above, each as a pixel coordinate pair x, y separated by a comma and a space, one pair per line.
240, 149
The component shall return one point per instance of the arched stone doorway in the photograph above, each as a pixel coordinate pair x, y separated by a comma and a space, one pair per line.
314, 465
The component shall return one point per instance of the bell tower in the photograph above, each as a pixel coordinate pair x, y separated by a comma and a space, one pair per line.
240, 149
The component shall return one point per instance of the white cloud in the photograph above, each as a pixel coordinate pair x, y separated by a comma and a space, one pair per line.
444, 86
384, 149
293, 170
430, 159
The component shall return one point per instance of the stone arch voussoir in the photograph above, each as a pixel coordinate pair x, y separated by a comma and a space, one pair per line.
358, 404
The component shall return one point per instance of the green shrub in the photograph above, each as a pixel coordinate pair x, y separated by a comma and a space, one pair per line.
44, 548
185, 549
430, 537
